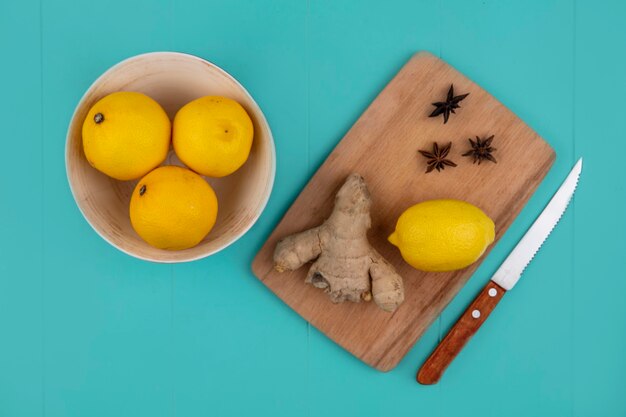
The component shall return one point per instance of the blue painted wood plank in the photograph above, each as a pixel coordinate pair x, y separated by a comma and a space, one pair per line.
239, 350
108, 339
21, 263
524, 352
599, 311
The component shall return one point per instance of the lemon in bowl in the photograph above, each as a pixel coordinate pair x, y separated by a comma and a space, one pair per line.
213, 135
173, 208
126, 135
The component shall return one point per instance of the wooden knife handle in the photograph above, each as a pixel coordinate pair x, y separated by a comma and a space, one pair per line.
460, 334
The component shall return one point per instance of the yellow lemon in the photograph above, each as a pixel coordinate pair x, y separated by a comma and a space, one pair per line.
173, 208
442, 235
213, 135
126, 135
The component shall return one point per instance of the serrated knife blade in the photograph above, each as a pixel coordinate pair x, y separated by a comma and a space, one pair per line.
511, 269
503, 280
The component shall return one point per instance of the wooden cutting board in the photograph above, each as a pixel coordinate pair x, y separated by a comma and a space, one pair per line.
382, 147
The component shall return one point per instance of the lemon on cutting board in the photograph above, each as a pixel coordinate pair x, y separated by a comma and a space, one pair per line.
126, 135
442, 235
173, 208
213, 135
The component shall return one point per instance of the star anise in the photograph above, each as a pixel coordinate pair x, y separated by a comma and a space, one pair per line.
481, 150
448, 106
437, 158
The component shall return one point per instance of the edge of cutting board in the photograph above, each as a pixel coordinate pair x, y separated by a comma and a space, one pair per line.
393, 354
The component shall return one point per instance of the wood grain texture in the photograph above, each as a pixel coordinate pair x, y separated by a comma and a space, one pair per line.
462, 331
382, 146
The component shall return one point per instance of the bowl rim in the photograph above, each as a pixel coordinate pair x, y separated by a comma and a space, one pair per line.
263, 120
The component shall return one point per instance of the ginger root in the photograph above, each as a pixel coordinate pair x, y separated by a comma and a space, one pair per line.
347, 266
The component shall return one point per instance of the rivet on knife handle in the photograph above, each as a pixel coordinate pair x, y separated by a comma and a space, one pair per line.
459, 335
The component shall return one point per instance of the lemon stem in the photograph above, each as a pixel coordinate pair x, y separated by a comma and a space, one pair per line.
98, 118
142, 190
393, 239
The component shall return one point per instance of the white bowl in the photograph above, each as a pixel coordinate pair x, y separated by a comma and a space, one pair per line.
172, 79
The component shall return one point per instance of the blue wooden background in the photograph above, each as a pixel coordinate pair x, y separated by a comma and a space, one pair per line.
88, 331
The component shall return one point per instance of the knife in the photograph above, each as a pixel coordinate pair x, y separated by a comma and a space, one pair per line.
502, 281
